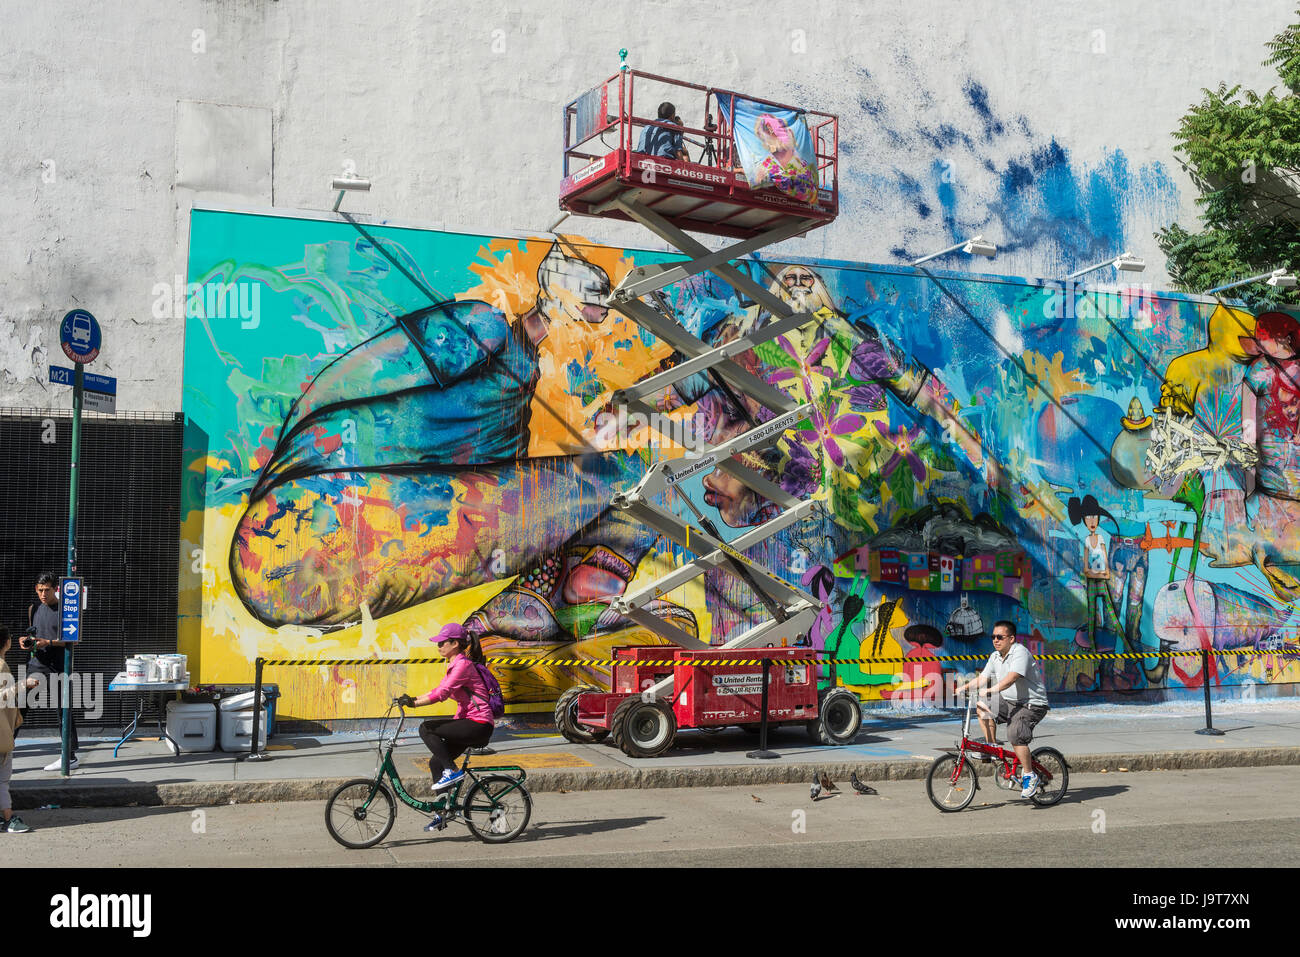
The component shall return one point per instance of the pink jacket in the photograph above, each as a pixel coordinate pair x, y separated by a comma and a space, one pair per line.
464, 686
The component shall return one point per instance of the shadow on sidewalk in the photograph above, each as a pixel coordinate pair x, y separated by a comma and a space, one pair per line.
48, 819
546, 831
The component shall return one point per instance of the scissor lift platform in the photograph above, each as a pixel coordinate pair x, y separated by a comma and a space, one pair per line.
707, 194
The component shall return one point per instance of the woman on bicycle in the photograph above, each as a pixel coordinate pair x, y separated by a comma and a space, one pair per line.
472, 724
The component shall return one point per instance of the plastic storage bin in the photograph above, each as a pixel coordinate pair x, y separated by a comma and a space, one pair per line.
193, 726
243, 694
237, 730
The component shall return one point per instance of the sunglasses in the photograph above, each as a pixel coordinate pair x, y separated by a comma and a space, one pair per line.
1001, 637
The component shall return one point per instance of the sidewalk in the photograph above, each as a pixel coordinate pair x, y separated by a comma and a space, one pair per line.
892, 745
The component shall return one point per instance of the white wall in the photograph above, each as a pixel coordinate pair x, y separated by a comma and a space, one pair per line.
452, 108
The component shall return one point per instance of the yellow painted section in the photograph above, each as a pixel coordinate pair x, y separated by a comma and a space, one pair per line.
558, 759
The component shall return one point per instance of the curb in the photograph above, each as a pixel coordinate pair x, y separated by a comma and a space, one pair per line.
210, 794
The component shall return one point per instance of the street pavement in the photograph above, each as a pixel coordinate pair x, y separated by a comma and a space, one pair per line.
1211, 818
893, 745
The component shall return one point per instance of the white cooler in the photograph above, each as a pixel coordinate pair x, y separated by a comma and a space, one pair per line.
193, 726
237, 728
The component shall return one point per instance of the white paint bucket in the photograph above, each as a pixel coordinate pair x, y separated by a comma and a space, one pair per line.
170, 668
137, 671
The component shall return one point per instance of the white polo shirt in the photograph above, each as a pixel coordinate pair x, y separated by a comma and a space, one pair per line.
1029, 687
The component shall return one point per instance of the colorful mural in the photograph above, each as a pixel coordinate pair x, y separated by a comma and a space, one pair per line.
414, 427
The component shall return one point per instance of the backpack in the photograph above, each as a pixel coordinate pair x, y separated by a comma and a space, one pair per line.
496, 701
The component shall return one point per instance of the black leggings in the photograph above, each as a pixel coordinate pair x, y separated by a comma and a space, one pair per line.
449, 738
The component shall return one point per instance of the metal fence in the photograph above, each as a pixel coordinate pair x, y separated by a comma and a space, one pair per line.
128, 534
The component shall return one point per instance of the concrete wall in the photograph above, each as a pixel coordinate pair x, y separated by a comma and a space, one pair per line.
1044, 126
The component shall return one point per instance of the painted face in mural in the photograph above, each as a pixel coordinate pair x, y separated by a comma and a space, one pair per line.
803, 289
1278, 335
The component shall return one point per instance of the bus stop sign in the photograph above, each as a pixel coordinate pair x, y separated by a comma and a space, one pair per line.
79, 335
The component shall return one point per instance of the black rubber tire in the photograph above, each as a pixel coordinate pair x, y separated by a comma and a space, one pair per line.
344, 804
566, 718
497, 808
839, 718
953, 795
643, 729
1053, 762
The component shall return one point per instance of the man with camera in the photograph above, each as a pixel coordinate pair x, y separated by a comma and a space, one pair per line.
47, 648
664, 141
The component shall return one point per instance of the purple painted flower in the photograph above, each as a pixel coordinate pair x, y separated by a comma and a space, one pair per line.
826, 428
809, 365
902, 441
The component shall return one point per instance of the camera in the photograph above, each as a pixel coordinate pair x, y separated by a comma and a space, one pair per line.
27, 640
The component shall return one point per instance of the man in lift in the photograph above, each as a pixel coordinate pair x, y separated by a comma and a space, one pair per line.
661, 141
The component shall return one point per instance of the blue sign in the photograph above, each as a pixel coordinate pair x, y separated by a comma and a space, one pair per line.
79, 336
70, 605
62, 375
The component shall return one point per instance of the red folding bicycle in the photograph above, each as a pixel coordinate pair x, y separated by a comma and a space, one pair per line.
952, 781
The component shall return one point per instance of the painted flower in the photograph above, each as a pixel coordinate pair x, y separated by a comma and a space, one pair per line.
903, 442
827, 429
806, 368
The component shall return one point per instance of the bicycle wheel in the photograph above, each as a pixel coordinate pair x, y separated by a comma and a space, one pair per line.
497, 808
1053, 762
948, 790
352, 822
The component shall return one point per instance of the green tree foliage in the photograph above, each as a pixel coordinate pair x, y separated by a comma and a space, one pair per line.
1242, 150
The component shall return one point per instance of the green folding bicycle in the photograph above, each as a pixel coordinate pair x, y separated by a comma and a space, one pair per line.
361, 812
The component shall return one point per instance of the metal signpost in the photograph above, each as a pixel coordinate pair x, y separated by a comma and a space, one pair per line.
80, 337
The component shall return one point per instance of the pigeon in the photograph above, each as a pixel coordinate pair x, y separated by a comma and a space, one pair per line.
815, 791
757, 798
827, 784
858, 785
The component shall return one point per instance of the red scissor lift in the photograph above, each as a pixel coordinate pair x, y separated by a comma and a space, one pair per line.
707, 194
605, 175
712, 689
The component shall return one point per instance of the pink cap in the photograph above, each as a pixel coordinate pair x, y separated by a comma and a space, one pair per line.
449, 632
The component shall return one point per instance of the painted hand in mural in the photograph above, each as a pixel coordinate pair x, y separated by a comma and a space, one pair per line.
397, 477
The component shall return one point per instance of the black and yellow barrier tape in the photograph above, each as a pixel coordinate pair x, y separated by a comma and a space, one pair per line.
753, 662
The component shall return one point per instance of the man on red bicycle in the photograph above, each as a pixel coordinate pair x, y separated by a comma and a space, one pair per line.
1014, 674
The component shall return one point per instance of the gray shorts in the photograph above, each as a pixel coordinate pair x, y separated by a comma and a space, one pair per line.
1020, 719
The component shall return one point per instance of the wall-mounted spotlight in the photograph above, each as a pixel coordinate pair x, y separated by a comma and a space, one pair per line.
346, 184
978, 246
1278, 278
1125, 262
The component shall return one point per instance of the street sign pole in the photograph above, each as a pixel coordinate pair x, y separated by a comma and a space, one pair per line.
80, 337
65, 714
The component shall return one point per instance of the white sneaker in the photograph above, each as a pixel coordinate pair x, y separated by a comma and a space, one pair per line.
1030, 784
57, 764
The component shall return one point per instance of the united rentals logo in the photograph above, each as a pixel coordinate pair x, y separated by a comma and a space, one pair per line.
77, 910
